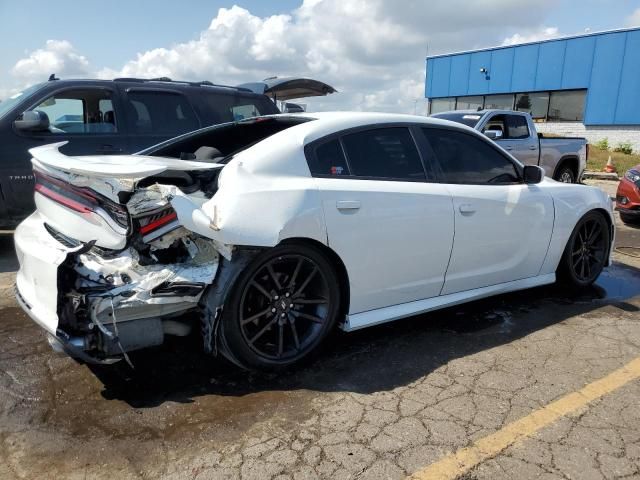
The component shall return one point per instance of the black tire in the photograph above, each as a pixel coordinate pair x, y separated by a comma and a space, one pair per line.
274, 317
586, 252
565, 175
629, 219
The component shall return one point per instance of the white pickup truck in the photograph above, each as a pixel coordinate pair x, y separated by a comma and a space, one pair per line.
563, 159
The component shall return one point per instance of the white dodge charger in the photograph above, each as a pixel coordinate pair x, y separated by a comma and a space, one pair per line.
265, 234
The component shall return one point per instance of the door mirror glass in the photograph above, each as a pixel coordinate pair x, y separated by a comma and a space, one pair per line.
533, 174
493, 134
32, 121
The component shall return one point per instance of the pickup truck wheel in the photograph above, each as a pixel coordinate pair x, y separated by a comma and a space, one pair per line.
282, 306
586, 252
565, 175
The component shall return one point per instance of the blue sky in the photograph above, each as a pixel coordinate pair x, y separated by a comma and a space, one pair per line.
372, 50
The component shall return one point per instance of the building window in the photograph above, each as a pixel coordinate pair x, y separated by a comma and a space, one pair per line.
536, 104
470, 103
566, 106
500, 102
442, 105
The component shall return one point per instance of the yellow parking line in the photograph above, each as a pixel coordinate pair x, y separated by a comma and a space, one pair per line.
465, 459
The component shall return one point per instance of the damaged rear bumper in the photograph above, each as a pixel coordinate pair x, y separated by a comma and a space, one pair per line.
98, 305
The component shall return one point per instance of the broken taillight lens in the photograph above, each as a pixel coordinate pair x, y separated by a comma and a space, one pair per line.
158, 224
79, 199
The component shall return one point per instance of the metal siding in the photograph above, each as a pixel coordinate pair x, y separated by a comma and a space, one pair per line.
428, 78
628, 105
605, 78
606, 64
550, 59
441, 68
577, 62
477, 81
459, 75
500, 73
525, 64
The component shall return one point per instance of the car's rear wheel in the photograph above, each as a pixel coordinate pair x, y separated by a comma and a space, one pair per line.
565, 175
281, 308
586, 252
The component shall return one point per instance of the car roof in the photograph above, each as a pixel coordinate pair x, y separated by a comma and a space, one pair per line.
330, 122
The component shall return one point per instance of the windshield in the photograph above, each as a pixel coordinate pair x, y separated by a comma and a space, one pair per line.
7, 104
468, 119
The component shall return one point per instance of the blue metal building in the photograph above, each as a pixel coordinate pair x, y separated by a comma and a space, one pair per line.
593, 79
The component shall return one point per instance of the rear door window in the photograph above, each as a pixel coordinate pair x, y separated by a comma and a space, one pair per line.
385, 153
161, 113
328, 159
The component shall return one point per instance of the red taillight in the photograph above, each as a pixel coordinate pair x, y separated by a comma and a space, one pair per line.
82, 200
67, 202
160, 222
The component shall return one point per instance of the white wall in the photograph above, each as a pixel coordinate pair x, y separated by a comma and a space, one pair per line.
594, 133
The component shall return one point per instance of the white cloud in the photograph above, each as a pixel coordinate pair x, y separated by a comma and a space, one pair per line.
58, 56
372, 51
544, 33
633, 20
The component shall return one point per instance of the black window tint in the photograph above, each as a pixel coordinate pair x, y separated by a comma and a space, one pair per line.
160, 113
221, 107
384, 153
328, 160
463, 158
517, 127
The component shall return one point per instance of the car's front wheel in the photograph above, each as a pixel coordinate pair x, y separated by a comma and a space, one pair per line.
586, 252
284, 303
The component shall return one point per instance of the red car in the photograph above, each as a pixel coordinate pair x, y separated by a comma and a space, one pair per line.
628, 196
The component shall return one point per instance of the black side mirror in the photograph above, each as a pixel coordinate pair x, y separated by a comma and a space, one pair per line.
32, 121
533, 174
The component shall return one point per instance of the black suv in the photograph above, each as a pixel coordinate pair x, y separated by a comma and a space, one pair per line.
117, 116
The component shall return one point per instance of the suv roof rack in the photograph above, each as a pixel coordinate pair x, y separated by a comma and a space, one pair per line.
203, 83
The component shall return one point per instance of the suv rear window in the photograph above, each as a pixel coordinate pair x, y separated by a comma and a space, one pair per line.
162, 113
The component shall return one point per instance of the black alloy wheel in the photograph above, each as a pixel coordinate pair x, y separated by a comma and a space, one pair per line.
283, 305
587, 250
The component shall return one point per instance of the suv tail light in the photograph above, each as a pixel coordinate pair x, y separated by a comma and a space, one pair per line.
79, 199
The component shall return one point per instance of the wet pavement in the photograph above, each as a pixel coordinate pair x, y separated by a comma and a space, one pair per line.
383, 402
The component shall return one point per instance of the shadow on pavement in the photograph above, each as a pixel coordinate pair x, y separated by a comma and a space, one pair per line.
375, 359
8, 259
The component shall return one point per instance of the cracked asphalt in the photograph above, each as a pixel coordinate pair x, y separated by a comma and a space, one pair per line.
384, 402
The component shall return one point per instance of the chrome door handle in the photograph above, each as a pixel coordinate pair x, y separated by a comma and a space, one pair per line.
466, 208
508, 147
532, 147
348, 204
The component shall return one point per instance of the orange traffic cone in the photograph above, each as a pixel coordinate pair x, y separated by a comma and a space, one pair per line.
610, 167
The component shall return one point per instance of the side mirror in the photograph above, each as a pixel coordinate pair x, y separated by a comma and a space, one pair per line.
32, 121
493, 134
533, 174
